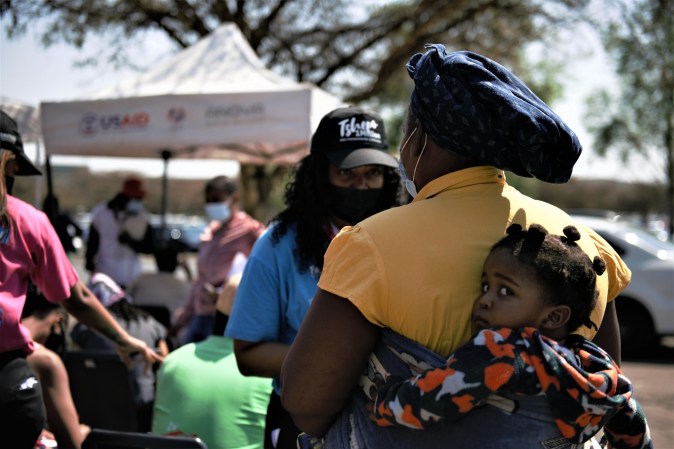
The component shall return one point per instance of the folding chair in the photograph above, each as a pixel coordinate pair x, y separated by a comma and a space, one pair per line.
160, 313
110, 439
102, 389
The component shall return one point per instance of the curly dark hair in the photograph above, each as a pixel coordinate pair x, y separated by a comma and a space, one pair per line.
561, 266
308, 208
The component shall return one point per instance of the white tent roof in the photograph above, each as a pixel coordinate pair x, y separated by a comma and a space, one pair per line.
214, 99
26, 117
221, 62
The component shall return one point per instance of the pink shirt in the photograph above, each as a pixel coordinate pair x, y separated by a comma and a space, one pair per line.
33, 252
219, 244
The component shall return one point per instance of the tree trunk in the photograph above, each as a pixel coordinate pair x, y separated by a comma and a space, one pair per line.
258, 182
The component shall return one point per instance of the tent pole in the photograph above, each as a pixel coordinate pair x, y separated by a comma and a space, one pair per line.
165, 155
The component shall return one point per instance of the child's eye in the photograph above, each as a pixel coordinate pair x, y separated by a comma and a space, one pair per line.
485, 287
505, 291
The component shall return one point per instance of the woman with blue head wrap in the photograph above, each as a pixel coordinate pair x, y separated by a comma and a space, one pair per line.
397, 290
475, 107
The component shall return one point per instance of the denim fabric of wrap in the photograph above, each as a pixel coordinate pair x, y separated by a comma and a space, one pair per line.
475, 107
532, 425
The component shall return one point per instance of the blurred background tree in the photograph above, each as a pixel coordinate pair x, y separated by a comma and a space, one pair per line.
358, 50
640, 117
355, 50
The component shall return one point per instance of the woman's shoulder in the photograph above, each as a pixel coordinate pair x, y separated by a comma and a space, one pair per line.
30, 220
248, 220
45, 362
21, 210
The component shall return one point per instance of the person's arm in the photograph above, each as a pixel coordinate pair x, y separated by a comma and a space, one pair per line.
162, 347
608, 335
260, 358
145, 245
84, 306
325, 361
61, 413
493, 361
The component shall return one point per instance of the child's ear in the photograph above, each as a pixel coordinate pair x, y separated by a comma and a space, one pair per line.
556, 317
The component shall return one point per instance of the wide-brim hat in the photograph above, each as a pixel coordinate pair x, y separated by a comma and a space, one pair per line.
352, 137
10, 139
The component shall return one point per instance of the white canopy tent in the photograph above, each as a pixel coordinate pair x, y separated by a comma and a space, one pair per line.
213, 100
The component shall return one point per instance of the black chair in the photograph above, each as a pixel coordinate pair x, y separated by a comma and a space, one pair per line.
159, 313
110, 439
103, 390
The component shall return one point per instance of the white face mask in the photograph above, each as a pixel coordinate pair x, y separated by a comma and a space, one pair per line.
218, 211
407, 182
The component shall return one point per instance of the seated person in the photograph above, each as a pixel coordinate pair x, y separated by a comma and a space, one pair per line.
137, 323
201, 392
536, 289
44, 320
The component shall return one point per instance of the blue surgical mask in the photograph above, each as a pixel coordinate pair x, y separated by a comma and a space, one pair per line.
218, 211
134, 207
407, 182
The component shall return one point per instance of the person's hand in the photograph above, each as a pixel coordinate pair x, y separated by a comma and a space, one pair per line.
212, 290
84, 430
45, 440
133, 346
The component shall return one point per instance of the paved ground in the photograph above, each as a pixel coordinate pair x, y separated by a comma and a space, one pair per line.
653, 377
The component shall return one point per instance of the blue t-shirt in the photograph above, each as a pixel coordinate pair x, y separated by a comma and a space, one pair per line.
273, 296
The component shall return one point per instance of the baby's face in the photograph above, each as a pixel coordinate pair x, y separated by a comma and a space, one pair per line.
511, 295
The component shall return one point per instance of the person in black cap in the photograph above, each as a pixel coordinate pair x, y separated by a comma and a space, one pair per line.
407, 278
348, 176
30, 250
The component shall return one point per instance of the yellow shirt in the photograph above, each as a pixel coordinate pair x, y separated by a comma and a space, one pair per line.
416, 269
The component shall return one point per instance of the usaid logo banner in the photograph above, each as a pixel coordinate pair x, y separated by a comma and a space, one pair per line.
351, 129
92, 124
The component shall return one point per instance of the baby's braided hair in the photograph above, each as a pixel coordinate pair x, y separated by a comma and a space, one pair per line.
566, 273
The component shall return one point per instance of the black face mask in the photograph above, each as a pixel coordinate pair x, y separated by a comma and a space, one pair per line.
353, 205
9, 183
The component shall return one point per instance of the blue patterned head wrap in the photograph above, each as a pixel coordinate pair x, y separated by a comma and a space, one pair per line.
475, 107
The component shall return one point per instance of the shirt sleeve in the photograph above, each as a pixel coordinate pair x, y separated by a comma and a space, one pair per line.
257, 309
616, 269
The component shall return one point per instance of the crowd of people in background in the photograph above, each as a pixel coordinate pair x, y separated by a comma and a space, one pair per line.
379, 280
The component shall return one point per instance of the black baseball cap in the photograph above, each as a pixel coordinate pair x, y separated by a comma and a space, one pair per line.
351, 137
10, 139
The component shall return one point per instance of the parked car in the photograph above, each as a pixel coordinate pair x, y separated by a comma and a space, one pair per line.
183, 230
646, 307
